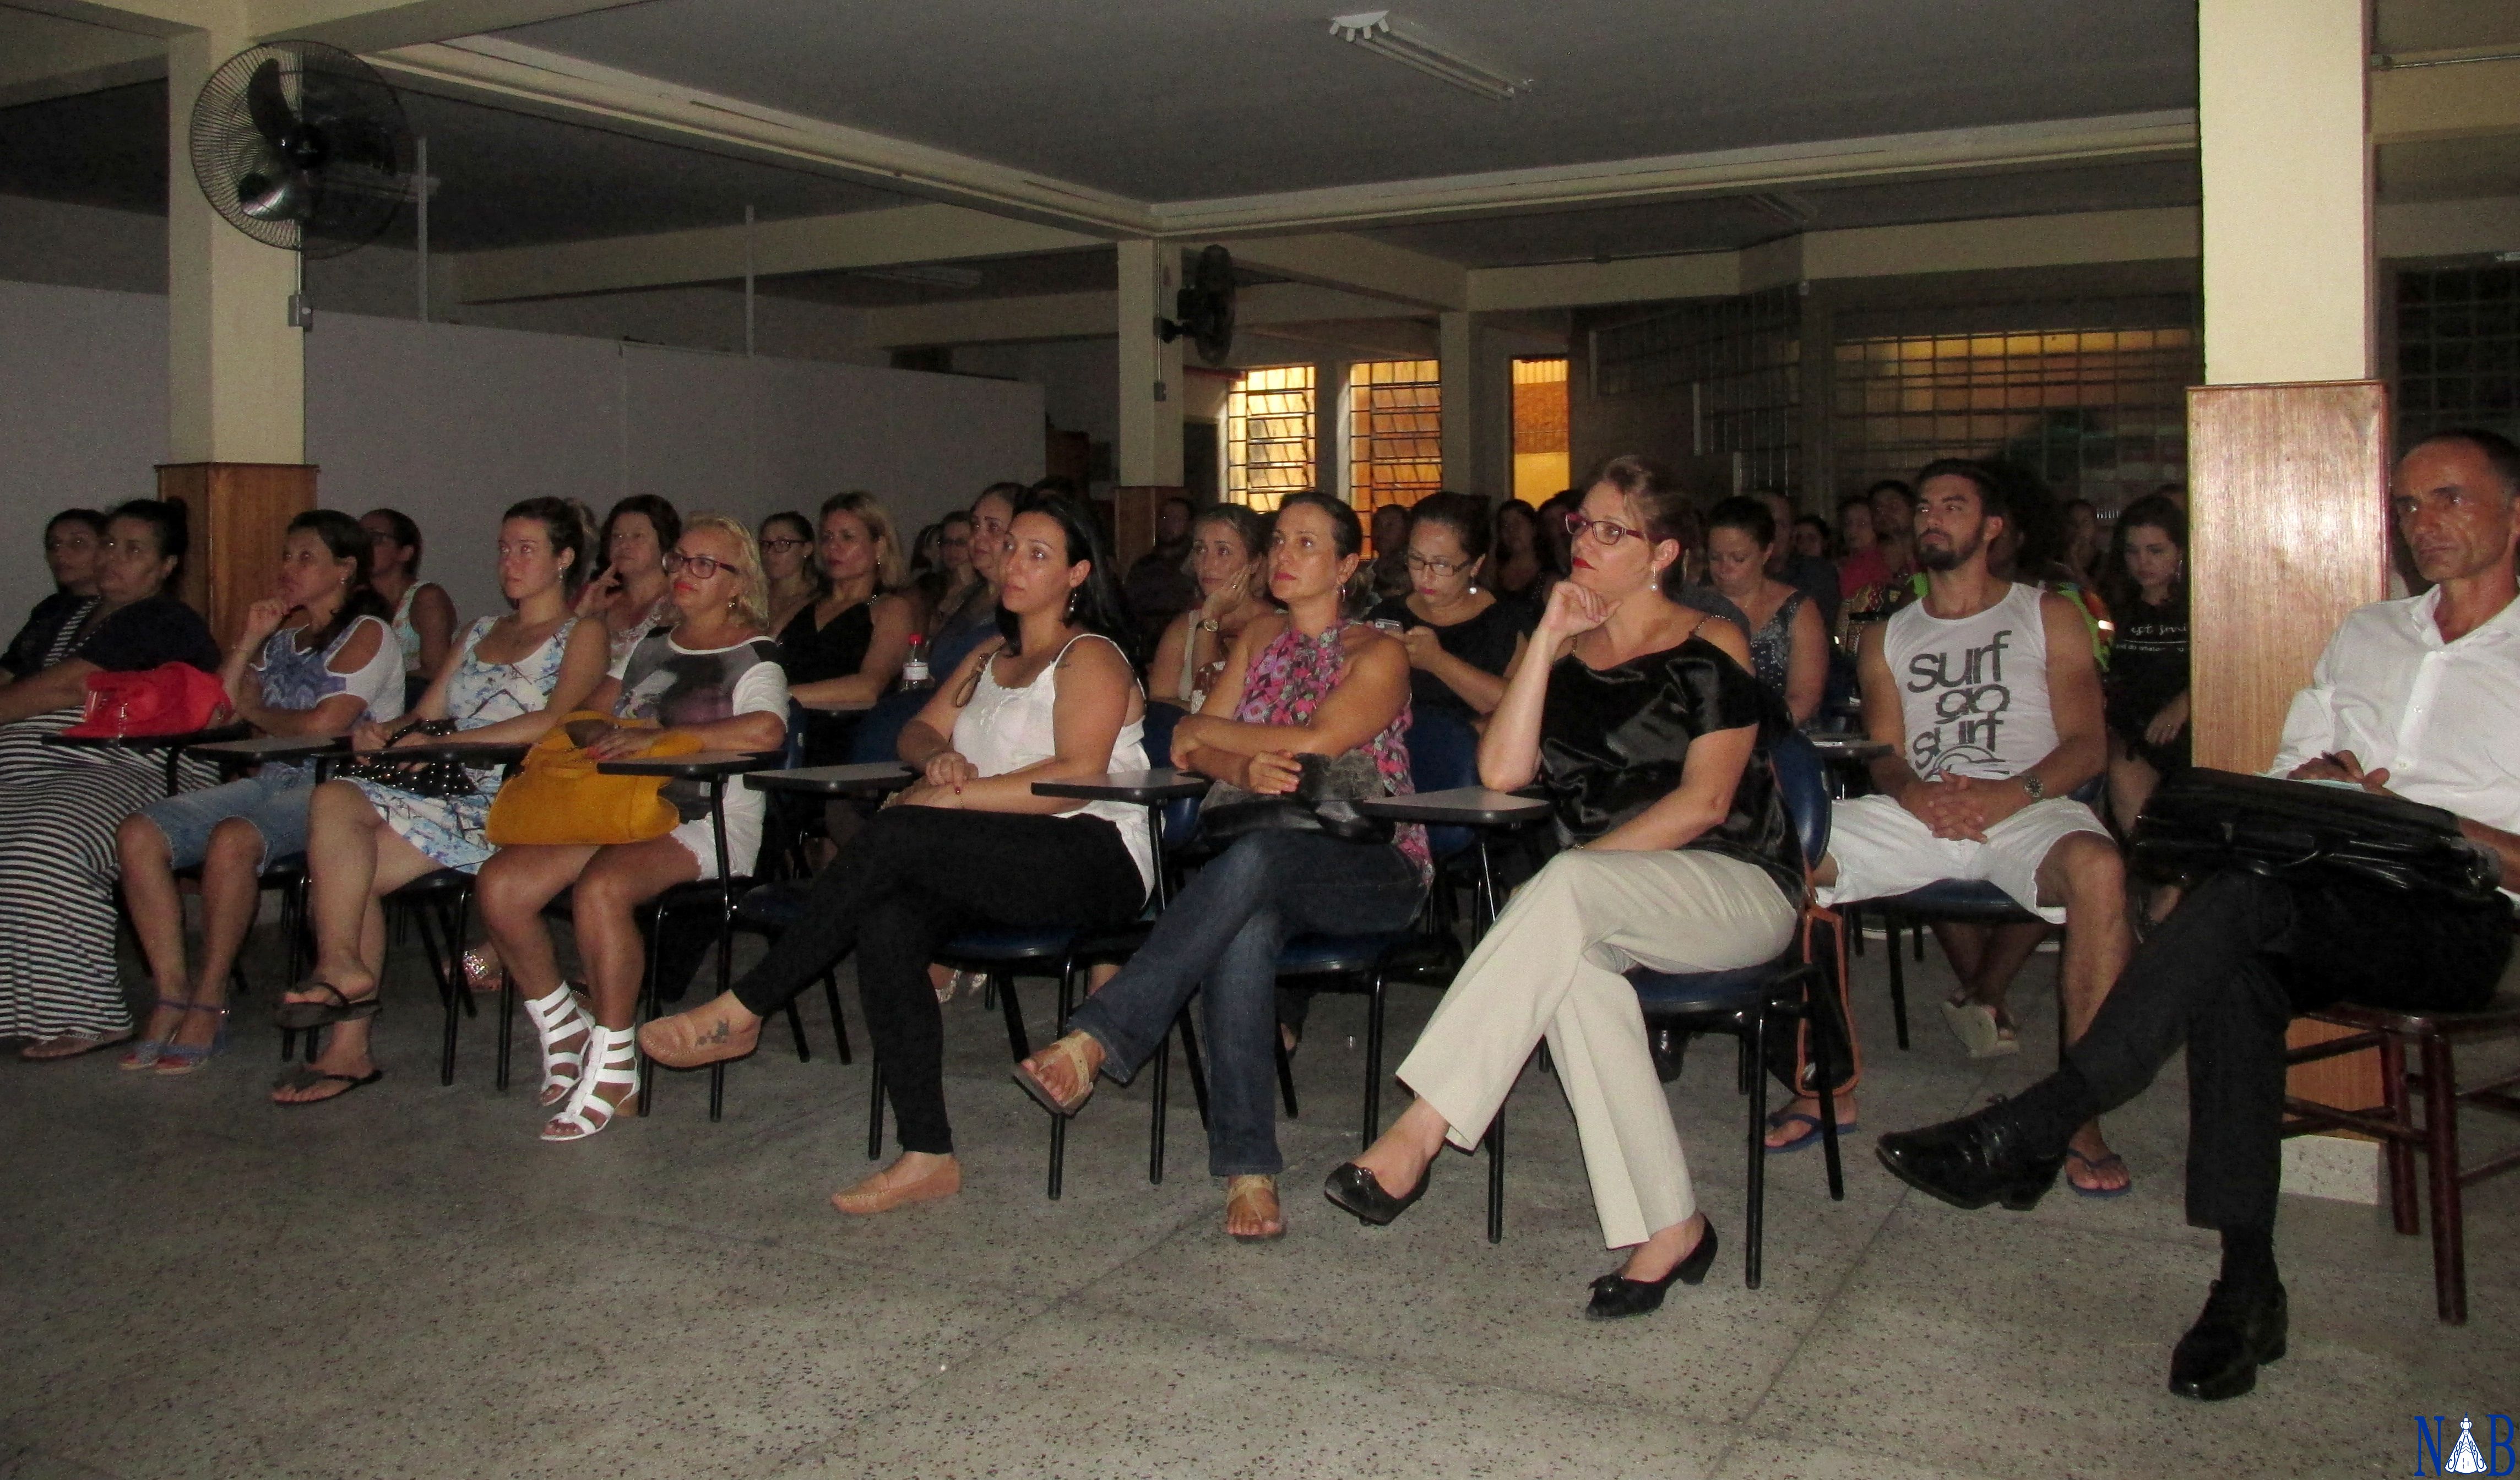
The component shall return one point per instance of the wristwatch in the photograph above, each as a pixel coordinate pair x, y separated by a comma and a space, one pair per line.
1211, 624
2031, 784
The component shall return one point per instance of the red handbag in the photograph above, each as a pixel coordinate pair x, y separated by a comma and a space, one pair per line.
171, 699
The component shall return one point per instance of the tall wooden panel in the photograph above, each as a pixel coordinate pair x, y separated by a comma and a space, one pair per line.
239, 514
2288, 530
1132, 519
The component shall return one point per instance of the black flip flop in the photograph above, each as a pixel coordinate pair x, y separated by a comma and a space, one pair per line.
298, 1017
303, 1078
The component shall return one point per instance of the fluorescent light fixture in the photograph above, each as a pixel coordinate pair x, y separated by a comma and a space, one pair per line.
1411, 44
924, 275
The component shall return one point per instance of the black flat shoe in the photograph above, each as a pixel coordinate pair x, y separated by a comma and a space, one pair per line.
1354, 1188
1973, 1161
1616, 1297
2237, 1332
1669, 1046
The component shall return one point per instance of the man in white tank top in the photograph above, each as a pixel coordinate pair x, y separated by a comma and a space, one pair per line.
1989, 696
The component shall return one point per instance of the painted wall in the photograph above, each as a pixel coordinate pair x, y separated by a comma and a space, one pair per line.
452, 423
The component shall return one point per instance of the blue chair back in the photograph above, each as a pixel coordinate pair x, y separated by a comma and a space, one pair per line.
1160, 720
878, 733
1443, 757
1802, 780
792, 755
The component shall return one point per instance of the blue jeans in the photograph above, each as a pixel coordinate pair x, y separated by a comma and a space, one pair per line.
1222, 934
275, 801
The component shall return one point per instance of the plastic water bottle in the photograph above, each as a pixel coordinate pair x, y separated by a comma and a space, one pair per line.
914, 669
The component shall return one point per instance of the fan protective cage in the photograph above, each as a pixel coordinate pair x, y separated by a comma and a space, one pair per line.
302, 146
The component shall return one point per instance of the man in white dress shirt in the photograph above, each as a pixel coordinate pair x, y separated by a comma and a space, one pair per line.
2418, 698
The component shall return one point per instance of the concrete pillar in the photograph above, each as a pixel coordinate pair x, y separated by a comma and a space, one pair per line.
237, 370
1149, 454
2283, 106
1457, 350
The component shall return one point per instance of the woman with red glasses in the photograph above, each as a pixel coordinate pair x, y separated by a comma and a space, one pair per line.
1640, 717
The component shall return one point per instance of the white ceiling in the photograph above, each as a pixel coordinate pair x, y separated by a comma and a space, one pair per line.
1162, 100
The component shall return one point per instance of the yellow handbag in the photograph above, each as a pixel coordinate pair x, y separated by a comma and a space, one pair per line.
557, 796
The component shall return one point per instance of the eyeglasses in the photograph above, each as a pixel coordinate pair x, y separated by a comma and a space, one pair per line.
1439, 568
955, 541
1605, 530
789, 542
702, 567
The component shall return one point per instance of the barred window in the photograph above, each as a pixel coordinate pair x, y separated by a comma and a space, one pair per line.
1269, 435
1395, 432
2457, 356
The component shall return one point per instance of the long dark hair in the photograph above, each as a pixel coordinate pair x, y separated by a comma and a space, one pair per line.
169, 522
405, 533
1465, 515
1097, 605
565, 526
346, 539
2151, 512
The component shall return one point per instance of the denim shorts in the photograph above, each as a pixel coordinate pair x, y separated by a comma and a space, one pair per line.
275, 802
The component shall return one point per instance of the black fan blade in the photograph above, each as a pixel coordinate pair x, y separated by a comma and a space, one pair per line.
268, 102
277, 193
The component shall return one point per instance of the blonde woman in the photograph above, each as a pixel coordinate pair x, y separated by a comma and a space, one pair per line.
714, 675
1225, 548
848, 646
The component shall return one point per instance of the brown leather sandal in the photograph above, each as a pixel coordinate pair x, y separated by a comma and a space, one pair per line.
1244, 1196
1070, 1053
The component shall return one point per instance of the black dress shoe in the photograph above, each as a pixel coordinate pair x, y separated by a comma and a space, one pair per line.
2239, 1330
1667, 1045
1616, 1296
1354, 1188
1973, 1161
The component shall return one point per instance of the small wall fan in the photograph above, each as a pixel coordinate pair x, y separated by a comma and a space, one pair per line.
1204, 308
302, 146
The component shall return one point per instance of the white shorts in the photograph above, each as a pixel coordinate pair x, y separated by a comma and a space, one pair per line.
1881, 848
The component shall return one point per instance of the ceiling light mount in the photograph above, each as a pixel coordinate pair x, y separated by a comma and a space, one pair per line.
1411, 44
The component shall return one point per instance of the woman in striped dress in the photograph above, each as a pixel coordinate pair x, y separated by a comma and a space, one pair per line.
58, 807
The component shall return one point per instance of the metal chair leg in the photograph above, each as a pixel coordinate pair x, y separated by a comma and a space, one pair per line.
874, 1113
797, 1028
1373, 1063
1191, 1062
1003, 988
1495, 1141
1898, 978
1756, 1220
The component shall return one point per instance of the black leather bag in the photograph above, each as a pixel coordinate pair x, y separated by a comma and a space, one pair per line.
2203, 822
436, 780
1323, 801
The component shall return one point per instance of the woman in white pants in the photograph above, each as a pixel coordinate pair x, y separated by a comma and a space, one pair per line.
1642, 718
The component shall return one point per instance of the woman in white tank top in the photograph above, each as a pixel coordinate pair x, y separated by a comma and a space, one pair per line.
969, 846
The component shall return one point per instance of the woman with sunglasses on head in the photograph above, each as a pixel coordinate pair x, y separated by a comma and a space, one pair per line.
848, 646
509, 679
1461, 640
70, 543
627, 591
971, 846
715, 676
315, 658
1228, 559
788, 564
423, 614
59, 806
1640, 717
1311, 682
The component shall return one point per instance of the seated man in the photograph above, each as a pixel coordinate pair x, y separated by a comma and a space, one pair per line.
1989, 694
2415, 697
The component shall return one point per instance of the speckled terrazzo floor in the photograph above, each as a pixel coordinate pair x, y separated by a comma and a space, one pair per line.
192, 1283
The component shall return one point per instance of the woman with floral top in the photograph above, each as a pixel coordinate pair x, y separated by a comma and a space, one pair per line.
1307, 682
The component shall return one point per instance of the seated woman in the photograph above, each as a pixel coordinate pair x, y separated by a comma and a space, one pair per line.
423, 614
1461, 638
2146, 683
715, 676
970, 844
1226, 543
788, 564
58, 807
69, 554
948, 584
626, 591
511, 679
322, 658
1640, 717
963, 621
1788, 641
1521, 572
847, 647
1309, 682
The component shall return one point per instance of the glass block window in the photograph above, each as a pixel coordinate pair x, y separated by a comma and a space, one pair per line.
2457, 352
2092, 396
1539, 429
1395, 432
1269, 435
1742, 360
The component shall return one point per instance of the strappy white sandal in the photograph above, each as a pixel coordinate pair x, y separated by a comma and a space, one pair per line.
559, 1015
613, 1054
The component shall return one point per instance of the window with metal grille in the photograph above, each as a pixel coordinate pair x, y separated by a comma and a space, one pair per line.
1740, 359
2090, 394
2458, 358
1269, 435
1539, 429
1395, 432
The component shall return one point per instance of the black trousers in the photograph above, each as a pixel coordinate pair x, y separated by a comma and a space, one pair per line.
914, 878
2225, 973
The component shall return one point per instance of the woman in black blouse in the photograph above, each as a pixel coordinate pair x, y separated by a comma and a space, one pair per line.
1461, 640
1640, 717
2148, 678
71, 543
848, 646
